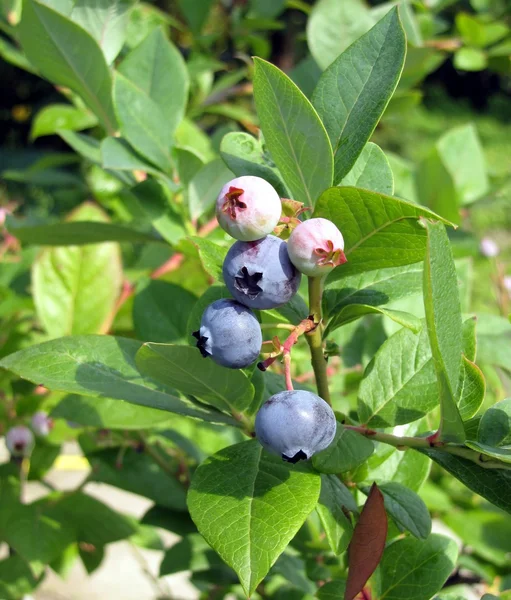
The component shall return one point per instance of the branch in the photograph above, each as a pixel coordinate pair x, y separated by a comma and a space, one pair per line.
315, 338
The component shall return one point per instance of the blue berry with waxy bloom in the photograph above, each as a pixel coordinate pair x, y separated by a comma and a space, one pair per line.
229, 334
248, 208
260, 274
295, 425
19, 441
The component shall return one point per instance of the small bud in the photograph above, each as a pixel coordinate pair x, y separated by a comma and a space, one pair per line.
316, 246
19, 441
489, 247
41, 423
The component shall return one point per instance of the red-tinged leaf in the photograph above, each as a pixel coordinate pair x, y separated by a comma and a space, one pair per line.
367, 544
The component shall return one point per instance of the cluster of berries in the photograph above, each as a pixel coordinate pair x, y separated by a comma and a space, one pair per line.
20, 439
262, 272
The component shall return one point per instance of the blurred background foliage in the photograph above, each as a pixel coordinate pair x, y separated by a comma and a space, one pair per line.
446, 134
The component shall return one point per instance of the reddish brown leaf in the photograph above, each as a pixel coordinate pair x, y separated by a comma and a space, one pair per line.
367, 544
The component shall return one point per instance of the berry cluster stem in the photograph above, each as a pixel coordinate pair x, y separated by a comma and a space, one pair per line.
315, 338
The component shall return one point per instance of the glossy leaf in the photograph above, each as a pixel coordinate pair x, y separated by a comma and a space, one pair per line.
158, 70
471, 389
183, 368
354, 91
116, 153
406, 508
140, 121
337, 525
76, 287
85, 145
350, 313
348, 450
248, 505
100, 366
293, 133
67, 55
371, 171
367, 544
415, 568
333, 26
443, 319
244, 155
379, 231
495, 425
211, 255
61, 116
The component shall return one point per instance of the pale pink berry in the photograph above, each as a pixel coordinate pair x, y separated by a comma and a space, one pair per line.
248, 208
315, 247
507, 283
19, 441
41, 423
489, 247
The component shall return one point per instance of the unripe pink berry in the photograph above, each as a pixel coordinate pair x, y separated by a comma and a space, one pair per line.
507, 283
489, 247
316, 247
19, 441
41, 423
248, 208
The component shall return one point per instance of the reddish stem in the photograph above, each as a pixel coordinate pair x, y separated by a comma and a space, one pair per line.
173, 263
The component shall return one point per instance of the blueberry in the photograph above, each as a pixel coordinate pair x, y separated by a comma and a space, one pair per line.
259, 274
230, 334
41, 423
316, 247
19, 441
295, 424
248, 208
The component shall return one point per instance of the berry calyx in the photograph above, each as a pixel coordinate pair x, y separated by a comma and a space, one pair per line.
316, 247
295, 424
248, 208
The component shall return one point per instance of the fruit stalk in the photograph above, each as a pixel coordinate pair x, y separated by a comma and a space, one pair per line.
315, 338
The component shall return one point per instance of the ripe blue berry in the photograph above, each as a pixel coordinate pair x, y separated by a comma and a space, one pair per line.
248, 208
19, 441
295, 424
230, 334
41, 423
316, 247
259, 274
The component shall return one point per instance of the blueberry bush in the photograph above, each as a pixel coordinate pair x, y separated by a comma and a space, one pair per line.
218, 285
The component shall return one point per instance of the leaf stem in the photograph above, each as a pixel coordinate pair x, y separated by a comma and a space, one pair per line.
315, 338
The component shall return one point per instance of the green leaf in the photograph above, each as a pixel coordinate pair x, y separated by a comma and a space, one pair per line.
140, 120
244, 155
406, 508
157, 68
211, 255
106, 21
75, 288
67, 55
495, 425
471, 389
196, 13
379, 231
371, 171
293, 133
348, 450
183, 368
332, 590
16, 578
493, 340
502, 454
354, 91
492, 484
190, 554
475, 31
337, 526
76, 233
443, 320
374, 288
205, 186
161, 310
352, 312
249, 505
333, 26
108, 413
55, 117
84, 145
138, 474
117, 154
177, 522
100, 366
416, 569
488, 535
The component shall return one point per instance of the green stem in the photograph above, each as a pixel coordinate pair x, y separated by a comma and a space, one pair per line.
315, 338
403, 443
